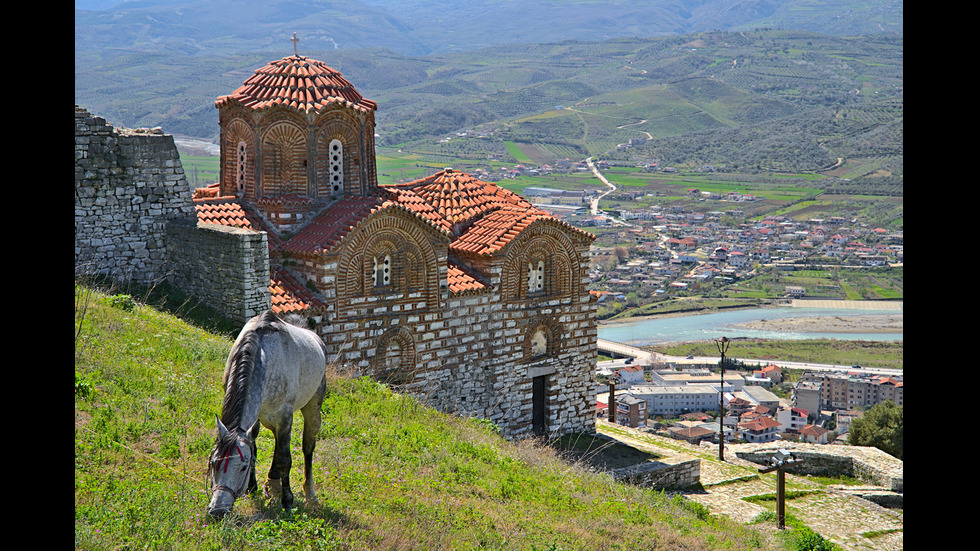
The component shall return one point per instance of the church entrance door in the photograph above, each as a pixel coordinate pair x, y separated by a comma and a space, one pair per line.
539, 386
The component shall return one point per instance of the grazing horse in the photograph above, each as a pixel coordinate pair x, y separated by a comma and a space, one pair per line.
273, 370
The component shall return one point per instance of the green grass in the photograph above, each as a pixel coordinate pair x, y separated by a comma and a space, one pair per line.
200, 170
391, 473
515, 152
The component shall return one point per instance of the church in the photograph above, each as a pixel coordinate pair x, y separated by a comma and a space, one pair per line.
448, 288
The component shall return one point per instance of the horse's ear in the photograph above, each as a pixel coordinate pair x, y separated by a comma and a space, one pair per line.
222, 430
254, 430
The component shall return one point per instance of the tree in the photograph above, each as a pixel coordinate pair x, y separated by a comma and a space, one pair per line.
880, 427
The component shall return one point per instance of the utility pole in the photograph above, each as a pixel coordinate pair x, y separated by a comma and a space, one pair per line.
722, 344
612, 398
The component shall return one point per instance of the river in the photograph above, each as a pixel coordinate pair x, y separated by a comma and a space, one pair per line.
723, 324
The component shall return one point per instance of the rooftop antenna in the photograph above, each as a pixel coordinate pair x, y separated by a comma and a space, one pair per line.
295, 41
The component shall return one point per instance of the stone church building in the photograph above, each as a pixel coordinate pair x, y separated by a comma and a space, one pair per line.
448, 287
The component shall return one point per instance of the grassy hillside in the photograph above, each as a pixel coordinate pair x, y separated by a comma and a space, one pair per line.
391, 474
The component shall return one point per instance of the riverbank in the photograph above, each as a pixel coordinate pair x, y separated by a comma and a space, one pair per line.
863, 323
858, 323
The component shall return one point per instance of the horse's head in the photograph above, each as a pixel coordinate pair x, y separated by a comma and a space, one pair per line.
230, 468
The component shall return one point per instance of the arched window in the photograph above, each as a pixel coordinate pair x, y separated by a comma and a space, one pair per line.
394, 362
539, 343
336, 161
542, 339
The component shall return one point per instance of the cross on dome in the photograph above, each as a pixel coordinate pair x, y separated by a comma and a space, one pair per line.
295, 41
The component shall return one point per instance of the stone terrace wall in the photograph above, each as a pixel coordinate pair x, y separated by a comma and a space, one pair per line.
128, 185
662, 475
868, 464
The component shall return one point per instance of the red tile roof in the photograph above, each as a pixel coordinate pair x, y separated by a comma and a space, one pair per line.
288, 295
328, 228
485, 216
462, 282
224, 211
298, 82
760, 424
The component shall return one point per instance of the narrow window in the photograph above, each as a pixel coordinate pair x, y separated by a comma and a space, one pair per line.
535, 277
336, 151
241, 162
382, 270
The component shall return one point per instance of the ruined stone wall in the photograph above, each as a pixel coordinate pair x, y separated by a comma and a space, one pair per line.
865, 463
128, 185
135, 222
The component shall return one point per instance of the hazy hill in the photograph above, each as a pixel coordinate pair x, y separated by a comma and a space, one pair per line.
731, 98
425, 27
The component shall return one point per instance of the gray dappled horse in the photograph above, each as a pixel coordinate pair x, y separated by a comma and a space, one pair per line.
274, 369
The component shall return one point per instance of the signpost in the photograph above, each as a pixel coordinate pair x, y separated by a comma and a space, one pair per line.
779, 462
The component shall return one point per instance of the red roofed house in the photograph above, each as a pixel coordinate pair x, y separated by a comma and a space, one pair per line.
448, 287
814, 434
773, 372
760, 429
792, 419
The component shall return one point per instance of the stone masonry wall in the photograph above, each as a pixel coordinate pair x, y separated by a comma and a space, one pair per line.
865, 463
135, 222
128, 185
226, 268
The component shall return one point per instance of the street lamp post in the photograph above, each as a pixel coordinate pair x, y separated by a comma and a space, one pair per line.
722, 344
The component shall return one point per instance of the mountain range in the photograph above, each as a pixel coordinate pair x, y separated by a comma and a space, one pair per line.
588, 76
427, 27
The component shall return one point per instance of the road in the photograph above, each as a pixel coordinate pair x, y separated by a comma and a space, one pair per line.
644, 357
612, 188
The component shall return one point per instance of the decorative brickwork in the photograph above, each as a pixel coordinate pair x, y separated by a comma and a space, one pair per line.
449, 288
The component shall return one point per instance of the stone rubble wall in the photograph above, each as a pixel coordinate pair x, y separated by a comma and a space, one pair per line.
129, 184
135, 222
864, 463
661, 475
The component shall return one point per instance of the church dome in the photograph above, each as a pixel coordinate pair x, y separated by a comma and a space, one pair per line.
298, 82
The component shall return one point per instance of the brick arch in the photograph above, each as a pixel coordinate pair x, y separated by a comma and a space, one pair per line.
542, 337
395, 362
238, 130
284, 158
342, 129
546, 244
415, 265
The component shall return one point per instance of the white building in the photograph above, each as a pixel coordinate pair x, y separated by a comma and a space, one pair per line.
671, 401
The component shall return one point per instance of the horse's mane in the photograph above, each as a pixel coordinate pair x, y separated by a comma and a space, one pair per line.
241, 365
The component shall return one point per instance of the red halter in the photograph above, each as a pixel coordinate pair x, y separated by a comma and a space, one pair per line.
227, 458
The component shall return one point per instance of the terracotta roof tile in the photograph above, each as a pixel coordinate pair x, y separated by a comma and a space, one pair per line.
288, 295
462, 282
228, 211
485, 217
224, 211
298, 82
325, 231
